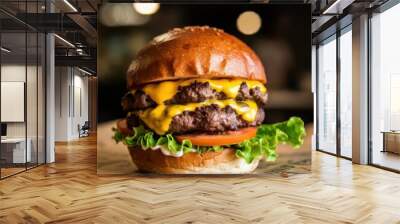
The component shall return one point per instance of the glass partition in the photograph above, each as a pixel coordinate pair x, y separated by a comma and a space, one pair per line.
14, 153
41, 96
32, 86
31, 99
23, 90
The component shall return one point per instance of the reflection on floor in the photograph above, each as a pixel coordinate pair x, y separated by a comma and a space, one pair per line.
11, 169
387, 159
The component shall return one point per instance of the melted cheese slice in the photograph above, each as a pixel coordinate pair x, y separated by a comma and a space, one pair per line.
160, 117
163, 91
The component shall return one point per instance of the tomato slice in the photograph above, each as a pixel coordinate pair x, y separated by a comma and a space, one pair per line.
122, 126
227, 138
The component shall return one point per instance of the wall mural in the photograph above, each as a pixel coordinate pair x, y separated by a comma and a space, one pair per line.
204, 89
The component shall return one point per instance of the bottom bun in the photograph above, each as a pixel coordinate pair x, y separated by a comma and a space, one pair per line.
223, 162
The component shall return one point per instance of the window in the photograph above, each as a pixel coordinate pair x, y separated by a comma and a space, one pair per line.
326, 94
385, 89
345, 43
334, 93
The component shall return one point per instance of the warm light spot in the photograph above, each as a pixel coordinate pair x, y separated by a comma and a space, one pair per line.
146, 8
121, 14
248, 22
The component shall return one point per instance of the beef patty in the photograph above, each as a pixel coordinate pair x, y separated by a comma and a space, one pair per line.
209, 119
193, 93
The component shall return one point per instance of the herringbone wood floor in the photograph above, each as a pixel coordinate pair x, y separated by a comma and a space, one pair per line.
69, 191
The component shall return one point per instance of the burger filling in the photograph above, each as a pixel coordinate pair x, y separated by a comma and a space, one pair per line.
196, 91
202, 115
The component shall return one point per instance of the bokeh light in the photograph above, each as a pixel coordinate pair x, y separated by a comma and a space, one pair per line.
248, 22
121, 15
146, 8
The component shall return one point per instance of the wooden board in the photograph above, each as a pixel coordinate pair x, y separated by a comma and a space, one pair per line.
114, 159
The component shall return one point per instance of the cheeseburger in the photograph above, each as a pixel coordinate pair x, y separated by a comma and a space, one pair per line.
195, 105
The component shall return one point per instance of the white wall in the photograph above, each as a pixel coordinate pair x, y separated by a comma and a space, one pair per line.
80, 111
71, 102
15, 72
33, 127
62, 81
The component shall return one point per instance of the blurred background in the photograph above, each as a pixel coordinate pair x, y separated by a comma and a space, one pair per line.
279, 34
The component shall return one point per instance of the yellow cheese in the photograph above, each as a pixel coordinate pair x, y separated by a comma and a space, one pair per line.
160, 92
163, 91
160, 117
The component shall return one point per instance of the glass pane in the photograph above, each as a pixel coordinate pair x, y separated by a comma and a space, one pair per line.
13, 86
41, 98
346, 94
31, 98
327, 96
32, 87
385, 86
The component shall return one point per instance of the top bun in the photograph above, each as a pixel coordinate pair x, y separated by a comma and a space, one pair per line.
194, 52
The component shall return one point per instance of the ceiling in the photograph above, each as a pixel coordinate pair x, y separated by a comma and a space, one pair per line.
73, 20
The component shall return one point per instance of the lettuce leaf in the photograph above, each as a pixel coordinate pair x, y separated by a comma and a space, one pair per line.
147, 139
269, 136
264, 144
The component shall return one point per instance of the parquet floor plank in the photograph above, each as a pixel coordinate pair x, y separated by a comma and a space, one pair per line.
70, 191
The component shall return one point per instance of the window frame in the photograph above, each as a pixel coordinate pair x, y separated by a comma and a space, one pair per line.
378, 10
339, 32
